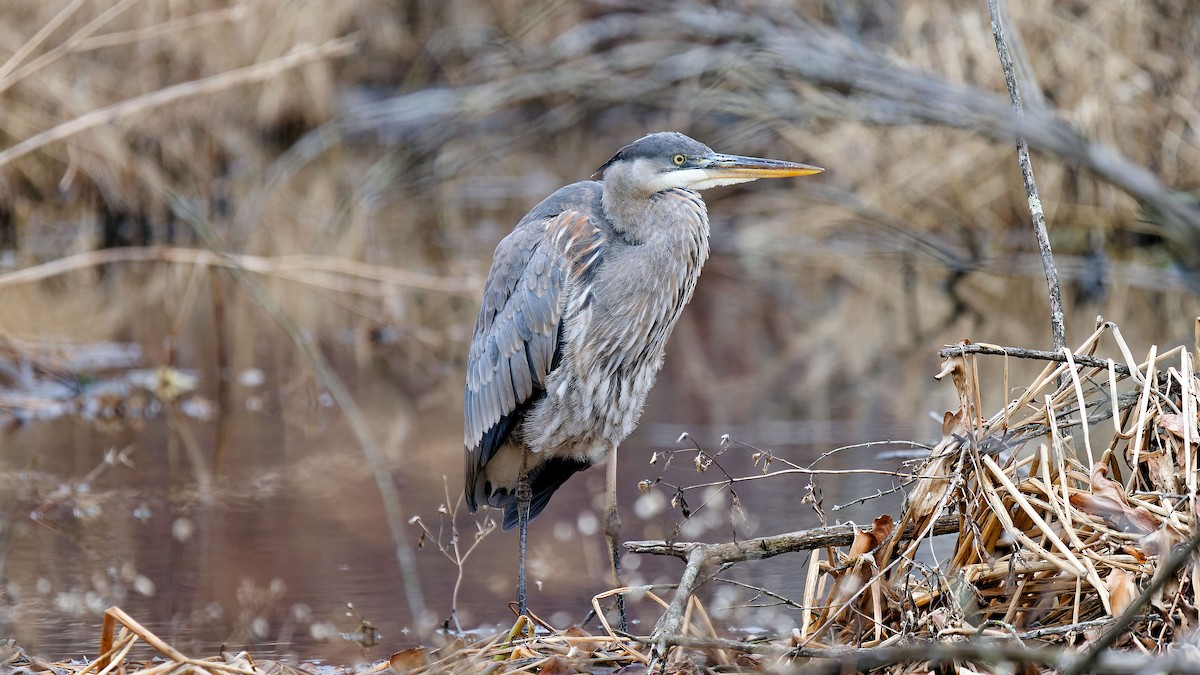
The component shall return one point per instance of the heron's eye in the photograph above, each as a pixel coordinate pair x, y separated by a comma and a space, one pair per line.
679, 160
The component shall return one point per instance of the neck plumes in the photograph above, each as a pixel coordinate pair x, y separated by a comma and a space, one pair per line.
667, 233
639, 214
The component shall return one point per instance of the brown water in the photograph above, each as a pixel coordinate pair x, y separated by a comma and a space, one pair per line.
292, 529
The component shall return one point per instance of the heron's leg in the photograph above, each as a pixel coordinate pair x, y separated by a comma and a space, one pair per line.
612, 528
524, 496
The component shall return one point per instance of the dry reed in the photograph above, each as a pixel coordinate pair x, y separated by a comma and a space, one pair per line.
1072, 502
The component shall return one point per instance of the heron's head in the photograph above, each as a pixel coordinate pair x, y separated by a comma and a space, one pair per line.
669, 159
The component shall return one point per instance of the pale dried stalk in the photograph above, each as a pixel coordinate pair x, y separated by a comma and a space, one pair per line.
33, 43
178, 92
301, 269
76, 40
1078, 386
1143, 409
224, 15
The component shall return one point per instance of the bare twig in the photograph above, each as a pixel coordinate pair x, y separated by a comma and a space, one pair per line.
702, 559
1069, 628
451, 548
767, 547
1057, 328
835, 660
1036, 354
761, 592
698, 561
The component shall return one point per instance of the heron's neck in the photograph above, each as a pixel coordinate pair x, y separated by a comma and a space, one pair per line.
642, 217
668, 231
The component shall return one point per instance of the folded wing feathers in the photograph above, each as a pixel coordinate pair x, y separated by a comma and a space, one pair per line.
516, 335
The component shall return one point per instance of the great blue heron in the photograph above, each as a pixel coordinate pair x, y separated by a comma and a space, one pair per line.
578, 305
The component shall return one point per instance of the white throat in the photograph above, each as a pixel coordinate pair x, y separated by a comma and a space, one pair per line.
693, 179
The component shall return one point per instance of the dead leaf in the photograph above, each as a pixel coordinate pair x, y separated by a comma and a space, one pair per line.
522, 652
1161, 541
1108, 502
1121, 590
408, 660
953, 424
1115, 514
940, 618
956, 367
682, 668
737, 514
1136, 552
1103, 485
557, 665
882, 526
1174, 423
1164, 474
583, 648
869, 540
268, 667
849, 581
239, 660
935, 478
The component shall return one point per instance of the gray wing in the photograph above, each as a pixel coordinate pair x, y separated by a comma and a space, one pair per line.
516, 340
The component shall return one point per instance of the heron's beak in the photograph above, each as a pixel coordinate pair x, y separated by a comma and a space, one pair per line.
715, 169
739, 168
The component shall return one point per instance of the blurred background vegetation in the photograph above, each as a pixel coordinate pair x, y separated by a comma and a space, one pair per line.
367, 156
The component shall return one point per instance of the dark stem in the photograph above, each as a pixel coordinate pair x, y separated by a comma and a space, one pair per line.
1037, 354
1057, 326
524, 496
622, 620
612, 530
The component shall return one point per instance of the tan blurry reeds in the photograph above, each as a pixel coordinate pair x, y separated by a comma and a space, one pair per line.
423, 181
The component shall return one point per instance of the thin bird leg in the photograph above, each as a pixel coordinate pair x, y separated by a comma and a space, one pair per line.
524, 496
612, 529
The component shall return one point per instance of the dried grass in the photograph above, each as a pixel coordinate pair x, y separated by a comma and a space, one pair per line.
1049, 547
1066, 524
